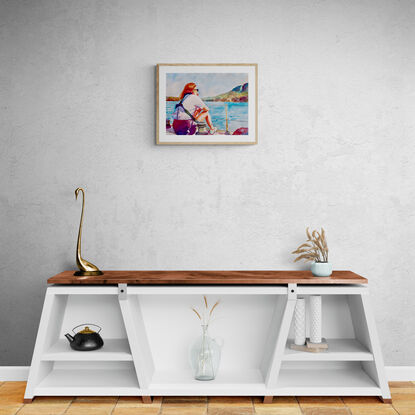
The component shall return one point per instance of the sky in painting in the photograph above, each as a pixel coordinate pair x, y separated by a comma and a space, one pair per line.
209, 84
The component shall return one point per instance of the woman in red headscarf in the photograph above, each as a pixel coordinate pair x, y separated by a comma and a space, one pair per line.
190, 109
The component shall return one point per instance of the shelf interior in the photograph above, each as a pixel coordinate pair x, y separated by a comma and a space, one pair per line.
185, 377
65, 378
339, 349
242, 322
113, 349
175, 382
325, 378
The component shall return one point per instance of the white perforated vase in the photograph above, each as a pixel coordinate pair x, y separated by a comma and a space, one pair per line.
299, 322
315, 318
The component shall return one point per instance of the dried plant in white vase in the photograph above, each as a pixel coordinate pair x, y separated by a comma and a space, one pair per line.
315, 250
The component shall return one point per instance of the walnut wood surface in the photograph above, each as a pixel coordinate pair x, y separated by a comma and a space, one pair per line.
208, 278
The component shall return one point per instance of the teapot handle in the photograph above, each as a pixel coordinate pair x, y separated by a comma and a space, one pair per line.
87, 324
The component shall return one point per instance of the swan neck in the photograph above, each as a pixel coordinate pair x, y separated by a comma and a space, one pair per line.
78, 246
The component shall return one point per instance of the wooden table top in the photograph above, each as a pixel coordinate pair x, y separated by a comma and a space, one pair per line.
208, 278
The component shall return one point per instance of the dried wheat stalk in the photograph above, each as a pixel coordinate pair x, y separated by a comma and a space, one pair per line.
206, 314
211, 311
197, 313
315, 249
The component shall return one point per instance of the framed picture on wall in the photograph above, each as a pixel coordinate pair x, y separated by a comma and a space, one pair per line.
207, 104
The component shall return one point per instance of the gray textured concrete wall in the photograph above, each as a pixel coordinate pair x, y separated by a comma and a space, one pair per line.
336, 147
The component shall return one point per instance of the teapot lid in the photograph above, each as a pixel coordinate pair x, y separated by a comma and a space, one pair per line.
87, 330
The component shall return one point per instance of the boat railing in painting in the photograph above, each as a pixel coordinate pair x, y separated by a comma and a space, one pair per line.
203, 130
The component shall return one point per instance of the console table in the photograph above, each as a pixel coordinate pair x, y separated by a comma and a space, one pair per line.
148, 327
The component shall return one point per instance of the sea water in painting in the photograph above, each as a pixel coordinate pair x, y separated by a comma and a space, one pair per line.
207, 103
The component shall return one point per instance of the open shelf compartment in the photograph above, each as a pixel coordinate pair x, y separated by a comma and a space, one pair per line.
325, 378
63, 371
86, 309
243, 325
113, 349
243, 382
339, 349
342, 329
68, 379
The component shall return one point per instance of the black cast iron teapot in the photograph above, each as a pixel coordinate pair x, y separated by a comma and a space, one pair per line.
86, 339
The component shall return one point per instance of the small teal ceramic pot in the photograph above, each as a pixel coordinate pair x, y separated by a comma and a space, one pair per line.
321, 269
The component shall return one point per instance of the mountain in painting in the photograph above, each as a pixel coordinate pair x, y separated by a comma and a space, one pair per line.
237, 94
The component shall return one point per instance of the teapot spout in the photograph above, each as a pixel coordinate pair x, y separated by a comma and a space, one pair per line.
69, 337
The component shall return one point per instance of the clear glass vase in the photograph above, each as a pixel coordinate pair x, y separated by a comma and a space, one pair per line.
205, 356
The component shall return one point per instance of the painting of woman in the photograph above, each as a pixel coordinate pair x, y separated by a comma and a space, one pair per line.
189, 111
206, 104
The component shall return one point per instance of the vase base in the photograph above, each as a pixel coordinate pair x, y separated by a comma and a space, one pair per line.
204, 378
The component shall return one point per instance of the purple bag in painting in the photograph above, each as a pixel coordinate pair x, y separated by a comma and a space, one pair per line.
184, 127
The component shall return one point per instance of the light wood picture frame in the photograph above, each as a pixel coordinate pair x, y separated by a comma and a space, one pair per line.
207, 104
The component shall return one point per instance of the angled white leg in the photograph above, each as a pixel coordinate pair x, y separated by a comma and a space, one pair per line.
49, 327
137, 336
366, 333
281, 322
273, 332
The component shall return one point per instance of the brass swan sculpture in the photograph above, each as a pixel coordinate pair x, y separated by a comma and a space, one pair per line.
85, 267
